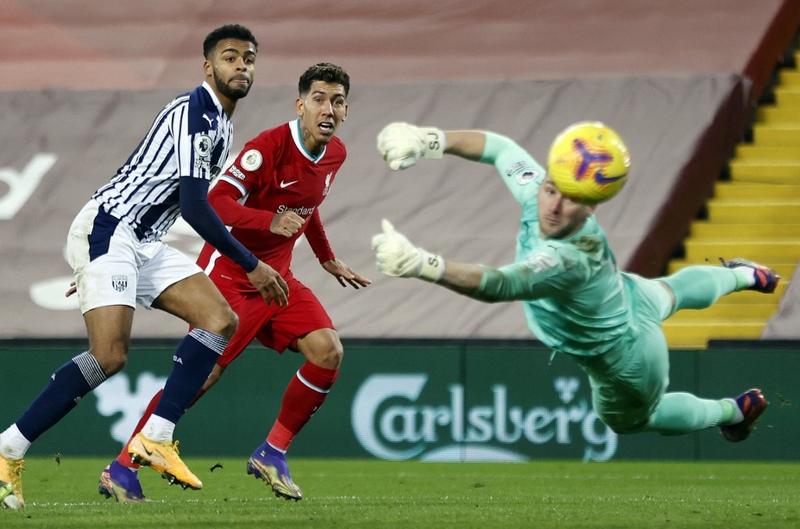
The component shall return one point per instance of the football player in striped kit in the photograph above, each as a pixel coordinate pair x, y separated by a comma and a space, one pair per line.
114, 247
271, 197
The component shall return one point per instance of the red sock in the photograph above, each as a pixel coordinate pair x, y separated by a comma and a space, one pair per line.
124, 458
303, 396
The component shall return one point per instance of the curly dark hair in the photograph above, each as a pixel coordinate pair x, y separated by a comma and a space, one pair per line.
228, 31
323, 71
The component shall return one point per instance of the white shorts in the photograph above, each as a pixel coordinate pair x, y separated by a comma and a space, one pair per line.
112, 267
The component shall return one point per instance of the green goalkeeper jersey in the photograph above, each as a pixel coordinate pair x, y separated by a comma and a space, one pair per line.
576, 301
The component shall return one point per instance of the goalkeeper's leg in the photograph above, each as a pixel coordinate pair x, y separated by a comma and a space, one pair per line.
698, 287
681, 413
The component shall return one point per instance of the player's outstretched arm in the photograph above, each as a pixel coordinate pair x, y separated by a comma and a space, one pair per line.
403, 144
396, 256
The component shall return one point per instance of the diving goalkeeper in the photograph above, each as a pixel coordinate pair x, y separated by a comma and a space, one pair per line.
575, 299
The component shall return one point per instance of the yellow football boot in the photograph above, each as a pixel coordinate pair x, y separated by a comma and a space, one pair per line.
162, 456
11, 474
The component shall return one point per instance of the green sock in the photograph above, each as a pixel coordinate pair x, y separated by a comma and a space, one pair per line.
698, 287
682, 413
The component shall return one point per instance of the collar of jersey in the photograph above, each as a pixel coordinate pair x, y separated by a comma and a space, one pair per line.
214, 98
294, 126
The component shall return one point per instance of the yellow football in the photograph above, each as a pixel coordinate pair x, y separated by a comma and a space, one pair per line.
589, 162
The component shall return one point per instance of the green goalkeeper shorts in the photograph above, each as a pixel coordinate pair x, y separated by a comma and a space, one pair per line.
628, 381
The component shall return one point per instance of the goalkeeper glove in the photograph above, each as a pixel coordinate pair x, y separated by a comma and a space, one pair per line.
396, 256
402, 144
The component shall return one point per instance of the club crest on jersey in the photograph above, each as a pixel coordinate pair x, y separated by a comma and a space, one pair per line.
251, 160
327, 184
119, 283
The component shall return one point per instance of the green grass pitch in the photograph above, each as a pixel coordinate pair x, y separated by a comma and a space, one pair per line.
413, 495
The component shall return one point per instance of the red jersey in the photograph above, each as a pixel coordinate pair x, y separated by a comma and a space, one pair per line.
274, 173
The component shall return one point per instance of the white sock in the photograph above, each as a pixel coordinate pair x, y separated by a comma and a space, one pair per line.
745, 277
276, 448
13, 444
738, 415
158, 429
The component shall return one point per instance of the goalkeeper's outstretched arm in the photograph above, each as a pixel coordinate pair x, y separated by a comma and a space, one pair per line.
468, 144
396, 256
403, 144
488, 284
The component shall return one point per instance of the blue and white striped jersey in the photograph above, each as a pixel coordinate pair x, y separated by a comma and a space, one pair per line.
191, 136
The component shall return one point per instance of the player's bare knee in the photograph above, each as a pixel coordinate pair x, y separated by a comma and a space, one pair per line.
223, 322
112, 358
231, 322
329, 357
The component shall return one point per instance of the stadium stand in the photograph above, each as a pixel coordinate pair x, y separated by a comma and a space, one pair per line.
677, 78
755, 213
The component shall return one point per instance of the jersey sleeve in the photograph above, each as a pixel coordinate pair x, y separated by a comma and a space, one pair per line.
520, 172
252, 168
548, 271
197, 211
193, 136
224, 198
317, 239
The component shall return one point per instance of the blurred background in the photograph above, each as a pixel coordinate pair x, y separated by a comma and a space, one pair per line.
706, 95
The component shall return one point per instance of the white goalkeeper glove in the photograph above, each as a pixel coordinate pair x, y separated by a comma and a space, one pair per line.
396, 256
402, 144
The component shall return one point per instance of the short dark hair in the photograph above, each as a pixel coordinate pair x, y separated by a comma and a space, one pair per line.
228, 31
323, 71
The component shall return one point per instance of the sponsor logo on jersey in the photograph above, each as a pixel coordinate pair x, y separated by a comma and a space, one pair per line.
210, 120
234, 171
301, 210
284, 185
251, 160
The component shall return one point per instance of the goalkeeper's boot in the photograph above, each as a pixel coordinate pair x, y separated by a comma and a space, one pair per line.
121, 483
162, 456
766, 278
269, 465
752, 404
11, 474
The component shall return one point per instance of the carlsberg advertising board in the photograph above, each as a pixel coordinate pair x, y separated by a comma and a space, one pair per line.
404, 400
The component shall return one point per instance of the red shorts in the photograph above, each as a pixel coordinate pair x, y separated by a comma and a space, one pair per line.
275, 327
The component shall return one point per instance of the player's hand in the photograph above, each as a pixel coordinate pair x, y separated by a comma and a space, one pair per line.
269, 284
402, 144
71, 290
396, 256
345, 275
286, 223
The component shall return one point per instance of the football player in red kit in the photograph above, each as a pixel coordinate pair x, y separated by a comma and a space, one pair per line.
270, 196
